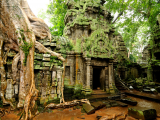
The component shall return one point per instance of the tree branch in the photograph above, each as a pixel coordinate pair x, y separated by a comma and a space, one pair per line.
43, 49
121, 13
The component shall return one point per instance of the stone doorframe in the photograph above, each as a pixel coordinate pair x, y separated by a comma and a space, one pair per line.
91, 75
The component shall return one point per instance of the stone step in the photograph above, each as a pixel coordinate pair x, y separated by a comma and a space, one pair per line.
142, 113
88, 108
155, 98
128, 101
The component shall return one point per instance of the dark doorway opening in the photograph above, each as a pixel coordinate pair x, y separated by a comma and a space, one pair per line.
96, 78
156, 76
144, 75
157, 55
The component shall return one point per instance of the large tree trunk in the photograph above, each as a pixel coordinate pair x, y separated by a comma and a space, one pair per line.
19, 25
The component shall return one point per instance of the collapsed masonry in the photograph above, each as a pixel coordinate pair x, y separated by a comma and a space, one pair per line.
151, 55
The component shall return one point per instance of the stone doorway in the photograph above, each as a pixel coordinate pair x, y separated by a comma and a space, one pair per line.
97, 82
156, 76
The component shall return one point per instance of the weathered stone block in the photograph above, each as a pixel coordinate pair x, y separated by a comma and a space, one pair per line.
46, 64
16, 89
98, 105
58, 95
113, 103
54, 83
142, 113
46, 55
53, 90
36, 67
9, 84
121, 44
45, 68
9, 75
122, 104
122, 48
11, 54
128, 101
38, 56
53, 44
46, 43
9, 91
52, 96
46, 59
41, 41
88, 108
58, 90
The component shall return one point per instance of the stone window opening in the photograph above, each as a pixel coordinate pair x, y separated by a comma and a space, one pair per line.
89, 32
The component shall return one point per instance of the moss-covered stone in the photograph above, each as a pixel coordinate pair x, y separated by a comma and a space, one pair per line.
142, 113
88, 108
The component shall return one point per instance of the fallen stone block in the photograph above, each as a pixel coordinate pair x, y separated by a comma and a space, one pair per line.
142, 113
98, 117
98, 105
128, 101
113, 103
88, 108
107, 103
122, 104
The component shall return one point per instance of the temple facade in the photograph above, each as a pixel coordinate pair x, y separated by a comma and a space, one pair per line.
97, 46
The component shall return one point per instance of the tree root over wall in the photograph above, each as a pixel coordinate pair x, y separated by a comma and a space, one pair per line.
12, 24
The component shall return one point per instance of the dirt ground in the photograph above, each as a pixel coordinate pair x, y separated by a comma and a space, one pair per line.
70, 114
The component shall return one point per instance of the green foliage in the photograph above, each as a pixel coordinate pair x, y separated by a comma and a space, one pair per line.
57, 10
132, 58
25, 47
1, 103
67, 46
77, 47
53, 58
136, 22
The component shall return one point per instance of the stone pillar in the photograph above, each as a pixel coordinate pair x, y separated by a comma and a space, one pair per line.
150, 74
59, 82
53, 94
70, 61
79, 67
111, 79
44, 89
88, 63
9, 90
106, 80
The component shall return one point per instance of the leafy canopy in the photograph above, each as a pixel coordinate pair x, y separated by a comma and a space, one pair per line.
136, 20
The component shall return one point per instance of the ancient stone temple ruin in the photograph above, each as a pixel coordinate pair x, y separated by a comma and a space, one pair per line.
90, 65
92, 49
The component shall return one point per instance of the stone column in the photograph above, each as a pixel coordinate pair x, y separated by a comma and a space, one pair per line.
106, 80
70, 61
9, 90
111, 79
150, 74
78, 69
59, 82
53, 94
88, 89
